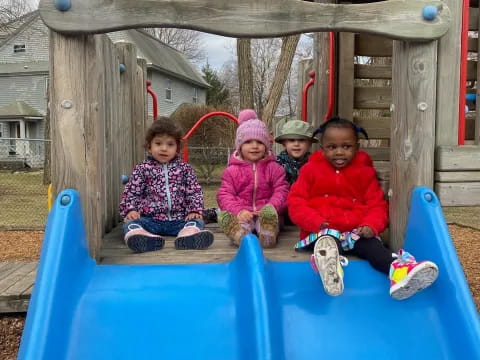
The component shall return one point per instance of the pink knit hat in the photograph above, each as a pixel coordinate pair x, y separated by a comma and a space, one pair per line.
251, 128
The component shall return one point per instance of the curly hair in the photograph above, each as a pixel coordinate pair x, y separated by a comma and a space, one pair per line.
164, 126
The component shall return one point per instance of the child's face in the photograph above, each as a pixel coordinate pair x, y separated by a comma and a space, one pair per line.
163, 148
339, 146
297, 148
252, 151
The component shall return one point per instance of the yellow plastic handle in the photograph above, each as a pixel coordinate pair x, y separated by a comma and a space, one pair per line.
49, 197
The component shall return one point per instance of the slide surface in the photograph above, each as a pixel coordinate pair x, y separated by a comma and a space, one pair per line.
250, 308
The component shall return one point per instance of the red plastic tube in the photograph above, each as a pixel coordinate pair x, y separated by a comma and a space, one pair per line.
197, 124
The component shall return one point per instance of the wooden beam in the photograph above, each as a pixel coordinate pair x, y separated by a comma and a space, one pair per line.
140, 110
448, 79
458, 194
372, 97
457, 176
413, 129
398, 19
345, 75
457, 158
377, 128
472, 19
371, 45
373, 71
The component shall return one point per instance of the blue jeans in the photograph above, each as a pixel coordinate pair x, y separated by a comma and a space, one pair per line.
160, 227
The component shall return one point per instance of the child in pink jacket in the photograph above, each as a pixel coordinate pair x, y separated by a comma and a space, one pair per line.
254, 191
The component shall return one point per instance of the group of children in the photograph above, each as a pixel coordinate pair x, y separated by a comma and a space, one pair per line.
335, 199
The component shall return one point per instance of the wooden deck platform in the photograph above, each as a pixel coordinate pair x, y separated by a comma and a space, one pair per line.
17, 278
114, 250
16, 283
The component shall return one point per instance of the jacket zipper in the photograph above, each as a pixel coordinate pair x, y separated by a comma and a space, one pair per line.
254, 186
167, 190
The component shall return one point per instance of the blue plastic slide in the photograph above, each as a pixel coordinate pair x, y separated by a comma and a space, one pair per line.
250, 308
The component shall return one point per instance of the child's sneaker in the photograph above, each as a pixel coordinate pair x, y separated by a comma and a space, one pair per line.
140, 240
231, 227
209, 215
192, 238
328, 263
268, 223
407, 277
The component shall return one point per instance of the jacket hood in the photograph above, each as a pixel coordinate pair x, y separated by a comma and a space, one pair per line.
361, 159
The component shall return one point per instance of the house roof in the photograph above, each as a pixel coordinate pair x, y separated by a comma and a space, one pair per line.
25, 67
16, 26
165, 58
19, 109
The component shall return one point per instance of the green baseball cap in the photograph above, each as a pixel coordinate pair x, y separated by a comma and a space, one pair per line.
296, 129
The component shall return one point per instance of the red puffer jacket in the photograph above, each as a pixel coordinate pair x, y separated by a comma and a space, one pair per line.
345, 198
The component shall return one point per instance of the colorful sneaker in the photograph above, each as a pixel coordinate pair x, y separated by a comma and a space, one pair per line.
140, 240
209, 215
268, 223
407, 277
328, 263
231, 227
192, 238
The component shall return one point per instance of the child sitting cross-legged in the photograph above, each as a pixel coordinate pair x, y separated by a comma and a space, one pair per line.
339, 205
253, 191
163, 196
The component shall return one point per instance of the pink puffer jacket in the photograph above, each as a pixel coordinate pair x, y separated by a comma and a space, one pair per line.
250, 186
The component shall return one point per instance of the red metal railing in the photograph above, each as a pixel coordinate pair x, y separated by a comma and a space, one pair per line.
197, 124
305, 94
463, 73
154, 100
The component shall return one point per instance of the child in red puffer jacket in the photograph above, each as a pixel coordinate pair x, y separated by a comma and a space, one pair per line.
339, 205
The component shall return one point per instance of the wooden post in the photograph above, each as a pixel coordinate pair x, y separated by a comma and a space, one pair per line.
304, 67
346, 54
76, 125
140, 110
476, 139
448, 78
413, 128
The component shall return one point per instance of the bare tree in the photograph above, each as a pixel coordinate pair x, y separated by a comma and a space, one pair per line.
188, 42
11, 12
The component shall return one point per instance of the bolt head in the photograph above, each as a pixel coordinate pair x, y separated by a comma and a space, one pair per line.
430, 12
65, 200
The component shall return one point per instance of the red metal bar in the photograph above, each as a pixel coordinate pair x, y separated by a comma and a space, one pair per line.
331, 76
198, 123
305, 94
154, 100
463, 73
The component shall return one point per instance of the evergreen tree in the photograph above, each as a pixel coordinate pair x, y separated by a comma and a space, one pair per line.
217, 95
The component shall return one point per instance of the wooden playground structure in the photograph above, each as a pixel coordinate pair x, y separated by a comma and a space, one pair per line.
98, 107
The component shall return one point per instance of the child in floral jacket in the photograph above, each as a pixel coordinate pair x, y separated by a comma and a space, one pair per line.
163, 196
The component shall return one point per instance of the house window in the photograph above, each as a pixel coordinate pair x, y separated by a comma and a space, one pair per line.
168, 90
195, 95
18, 48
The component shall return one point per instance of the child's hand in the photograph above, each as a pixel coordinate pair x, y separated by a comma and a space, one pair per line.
132, 215
193, 215
245, 216
365, 232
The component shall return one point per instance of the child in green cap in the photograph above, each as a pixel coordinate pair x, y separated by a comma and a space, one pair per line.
296, 136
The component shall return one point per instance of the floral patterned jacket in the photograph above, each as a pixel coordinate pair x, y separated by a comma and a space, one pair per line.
162, 191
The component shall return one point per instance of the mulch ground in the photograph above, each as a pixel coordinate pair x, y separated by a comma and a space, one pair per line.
25, 246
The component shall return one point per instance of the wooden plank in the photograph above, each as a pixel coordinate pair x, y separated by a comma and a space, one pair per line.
345, 75
458, 158
140, 110
372, 97
373, 71
13, 305
9, 268
470, 127
19, 274
399, 19
413, 129
378, 153
383, 170
457, 176
473, 19
472, 44
371, 45
458, 194
471, 70
377, 128
448, 75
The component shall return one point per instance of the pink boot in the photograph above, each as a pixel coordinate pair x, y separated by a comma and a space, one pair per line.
140, 240
192, 238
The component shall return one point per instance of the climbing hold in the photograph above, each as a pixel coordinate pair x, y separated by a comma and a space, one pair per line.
122, 68
430, 12
429, 197
63, 5
65, 200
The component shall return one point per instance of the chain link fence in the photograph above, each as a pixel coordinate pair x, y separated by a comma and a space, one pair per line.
23, 194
